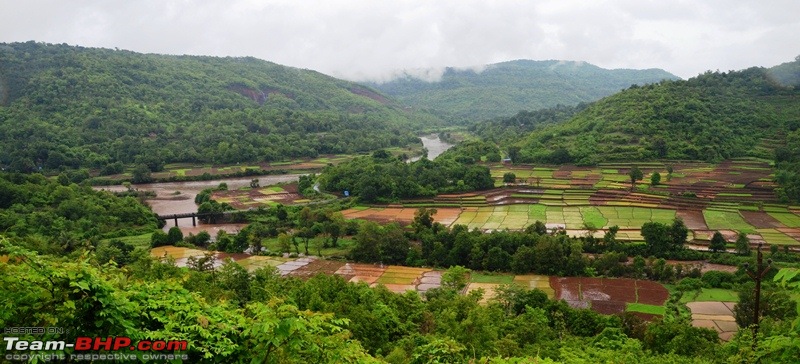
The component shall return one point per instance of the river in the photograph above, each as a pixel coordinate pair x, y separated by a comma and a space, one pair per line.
434, 145
178, 197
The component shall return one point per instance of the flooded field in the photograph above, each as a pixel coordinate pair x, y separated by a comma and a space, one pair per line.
178, 198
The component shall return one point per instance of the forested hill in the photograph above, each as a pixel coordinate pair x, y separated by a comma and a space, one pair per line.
710, 117
503, 89
71, 106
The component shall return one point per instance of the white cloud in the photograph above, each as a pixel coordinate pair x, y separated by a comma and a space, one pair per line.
376, 40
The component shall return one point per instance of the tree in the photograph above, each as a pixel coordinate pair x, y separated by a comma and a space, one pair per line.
655, 179
174, 235
159, 238
678, 233
635, 174
513, 153
775, 303
656, 236
509, 177
141, 174
717, 243
455, 278
742, 244
423, 219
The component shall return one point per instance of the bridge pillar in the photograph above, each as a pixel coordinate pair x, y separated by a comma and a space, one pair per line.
176, 221
194, 220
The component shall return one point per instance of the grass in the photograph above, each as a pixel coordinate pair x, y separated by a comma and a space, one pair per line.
710, 294
645, 308
537, 212
593, 217
491, 278
726, 220
789, 219
344, 246
138, 241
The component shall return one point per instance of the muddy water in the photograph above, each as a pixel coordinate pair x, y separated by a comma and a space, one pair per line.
178, 198
434, 145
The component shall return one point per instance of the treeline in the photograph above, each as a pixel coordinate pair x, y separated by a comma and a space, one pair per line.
59, 217
72, 107
382, 177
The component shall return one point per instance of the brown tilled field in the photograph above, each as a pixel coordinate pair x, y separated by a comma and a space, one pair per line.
607, 295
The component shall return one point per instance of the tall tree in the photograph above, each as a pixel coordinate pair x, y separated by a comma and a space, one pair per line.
635, 174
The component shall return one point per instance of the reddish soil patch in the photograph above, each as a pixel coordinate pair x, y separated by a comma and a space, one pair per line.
652, 296
693, 219
618, 293
647, 316
651, 293
566, 288
318, 266
760, 220
233, 256
608, 307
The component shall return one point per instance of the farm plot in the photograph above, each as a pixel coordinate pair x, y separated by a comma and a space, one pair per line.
356, 272
317, 266
634, 217
609, 296
399, 275
444, 215
775, 237
254, 263
292, 265
254, 197
488, 283
716, 315
786, 218
429, 280
534, 281
726, 220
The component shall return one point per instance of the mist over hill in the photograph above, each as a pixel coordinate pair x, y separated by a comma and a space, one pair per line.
503, 89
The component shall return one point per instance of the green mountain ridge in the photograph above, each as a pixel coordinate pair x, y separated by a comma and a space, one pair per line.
67, 106
710, 117
503, 89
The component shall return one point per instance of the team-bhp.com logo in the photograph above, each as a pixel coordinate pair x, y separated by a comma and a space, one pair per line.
120, 348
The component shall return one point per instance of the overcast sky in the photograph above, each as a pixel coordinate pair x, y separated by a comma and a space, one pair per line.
372, 40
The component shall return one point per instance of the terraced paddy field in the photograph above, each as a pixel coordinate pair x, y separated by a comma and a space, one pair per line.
603, 295
730, 197
246, 198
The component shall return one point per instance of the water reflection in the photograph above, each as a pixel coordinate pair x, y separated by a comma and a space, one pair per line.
178, 198
434, 145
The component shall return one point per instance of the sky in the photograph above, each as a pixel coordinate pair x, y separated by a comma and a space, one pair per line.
372, 40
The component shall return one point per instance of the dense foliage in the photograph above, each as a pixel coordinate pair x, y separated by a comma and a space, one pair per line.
386, 178
69, 107
509, 130
503, 89
710, 117
57, 218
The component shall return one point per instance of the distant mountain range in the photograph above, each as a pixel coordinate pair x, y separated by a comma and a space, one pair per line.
503, 89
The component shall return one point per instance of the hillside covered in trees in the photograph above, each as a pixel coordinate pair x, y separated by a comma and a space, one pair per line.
710, 117
504, 89
65, 106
